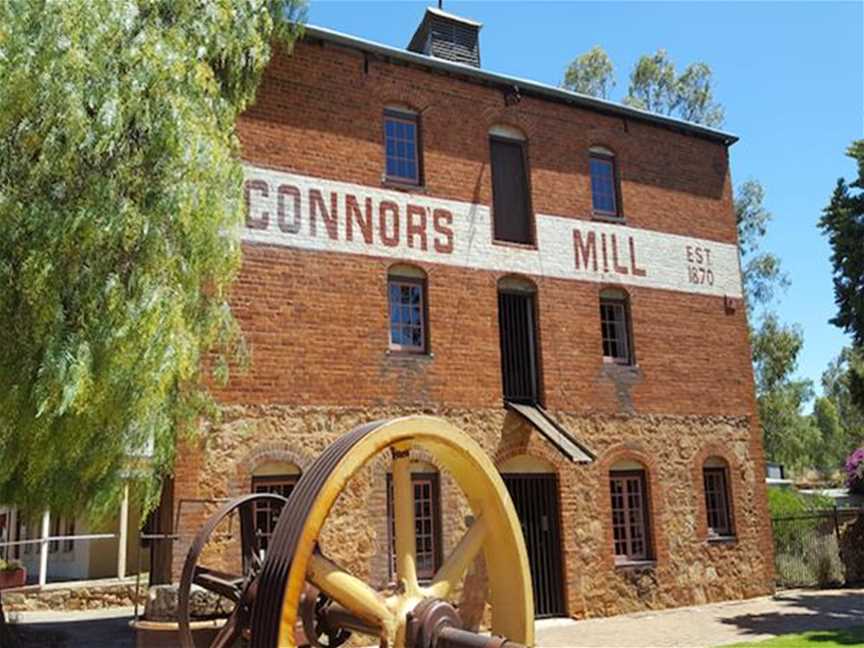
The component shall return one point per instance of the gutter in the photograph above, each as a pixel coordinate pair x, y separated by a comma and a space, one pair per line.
524, 86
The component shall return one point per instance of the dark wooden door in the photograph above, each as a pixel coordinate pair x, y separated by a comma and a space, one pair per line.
519, 370
535, 497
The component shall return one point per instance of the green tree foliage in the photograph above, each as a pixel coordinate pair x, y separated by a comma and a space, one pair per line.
839, 383
655, 85
834, 439
791, 437
120, 210
762, 276
591, 73
843, 222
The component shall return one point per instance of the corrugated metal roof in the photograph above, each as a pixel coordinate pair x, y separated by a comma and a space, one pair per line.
525, 86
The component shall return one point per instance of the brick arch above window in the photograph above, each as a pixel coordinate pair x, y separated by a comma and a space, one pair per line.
517, 282
406, 270
511, 117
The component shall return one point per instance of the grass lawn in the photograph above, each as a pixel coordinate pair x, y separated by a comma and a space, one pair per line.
817, 638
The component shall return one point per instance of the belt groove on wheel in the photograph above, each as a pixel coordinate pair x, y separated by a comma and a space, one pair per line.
293, 559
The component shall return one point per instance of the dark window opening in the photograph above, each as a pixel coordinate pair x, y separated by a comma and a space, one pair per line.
604, 185
717, 506
511, 204
267, 513
519, 358
630, 529
427, 524
615, 330
402, 147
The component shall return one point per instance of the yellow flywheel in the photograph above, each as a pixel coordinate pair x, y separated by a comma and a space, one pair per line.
414, 615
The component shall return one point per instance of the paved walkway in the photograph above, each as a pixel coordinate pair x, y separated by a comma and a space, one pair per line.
717, 624
694, 627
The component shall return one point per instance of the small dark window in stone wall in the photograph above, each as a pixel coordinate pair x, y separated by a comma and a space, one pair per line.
717, 502
267, 513
427, 524
511, 205
402, 147
630, 537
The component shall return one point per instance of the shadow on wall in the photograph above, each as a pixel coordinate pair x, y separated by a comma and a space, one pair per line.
821, 612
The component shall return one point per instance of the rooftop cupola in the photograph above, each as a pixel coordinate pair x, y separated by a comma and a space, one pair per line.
448, 37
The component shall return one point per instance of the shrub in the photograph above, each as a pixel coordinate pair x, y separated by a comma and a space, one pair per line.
855, 472
9, 565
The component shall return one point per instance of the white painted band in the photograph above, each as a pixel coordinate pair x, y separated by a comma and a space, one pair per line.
316, 214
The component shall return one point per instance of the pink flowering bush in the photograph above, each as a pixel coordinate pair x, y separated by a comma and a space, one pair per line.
855, 471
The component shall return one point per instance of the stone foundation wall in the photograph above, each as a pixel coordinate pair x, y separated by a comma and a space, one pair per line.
87, 595
687, 567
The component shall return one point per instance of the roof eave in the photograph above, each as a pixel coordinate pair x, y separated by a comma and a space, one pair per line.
524, 85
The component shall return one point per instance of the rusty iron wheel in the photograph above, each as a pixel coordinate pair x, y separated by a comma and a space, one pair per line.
241, 588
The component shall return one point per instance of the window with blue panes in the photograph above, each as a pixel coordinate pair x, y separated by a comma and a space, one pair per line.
407, 314
402, 147
604, 184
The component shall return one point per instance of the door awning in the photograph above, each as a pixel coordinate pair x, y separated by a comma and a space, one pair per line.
540, 420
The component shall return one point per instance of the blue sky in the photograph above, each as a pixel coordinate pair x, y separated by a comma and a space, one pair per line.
791, 76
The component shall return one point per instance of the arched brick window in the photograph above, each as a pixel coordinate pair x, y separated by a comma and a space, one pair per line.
605, 192
616, 330
408, 309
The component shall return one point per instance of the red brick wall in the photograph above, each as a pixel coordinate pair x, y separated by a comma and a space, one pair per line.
317, 324
316, 321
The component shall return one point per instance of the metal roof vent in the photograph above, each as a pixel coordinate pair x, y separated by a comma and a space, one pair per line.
449, 37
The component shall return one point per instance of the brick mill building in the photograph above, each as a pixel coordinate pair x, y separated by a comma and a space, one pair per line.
556, 275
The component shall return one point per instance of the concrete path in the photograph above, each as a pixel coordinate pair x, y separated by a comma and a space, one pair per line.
790, 611
694, 627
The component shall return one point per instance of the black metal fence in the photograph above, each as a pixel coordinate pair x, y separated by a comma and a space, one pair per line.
818, 548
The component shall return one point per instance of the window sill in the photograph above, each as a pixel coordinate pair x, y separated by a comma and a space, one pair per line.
609, 362
514, 244
636, 564
608, 218
409, 355
722, 540
403, 186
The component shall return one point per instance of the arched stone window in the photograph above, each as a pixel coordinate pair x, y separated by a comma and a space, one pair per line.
631, 512
275, 477
427, 519
718, 499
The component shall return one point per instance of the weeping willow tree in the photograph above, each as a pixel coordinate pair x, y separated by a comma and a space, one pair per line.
120, 208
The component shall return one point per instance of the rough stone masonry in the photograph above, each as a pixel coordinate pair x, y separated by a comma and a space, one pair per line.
325, 227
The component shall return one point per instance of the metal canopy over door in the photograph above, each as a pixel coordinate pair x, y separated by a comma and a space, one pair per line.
535, 496
519, 371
